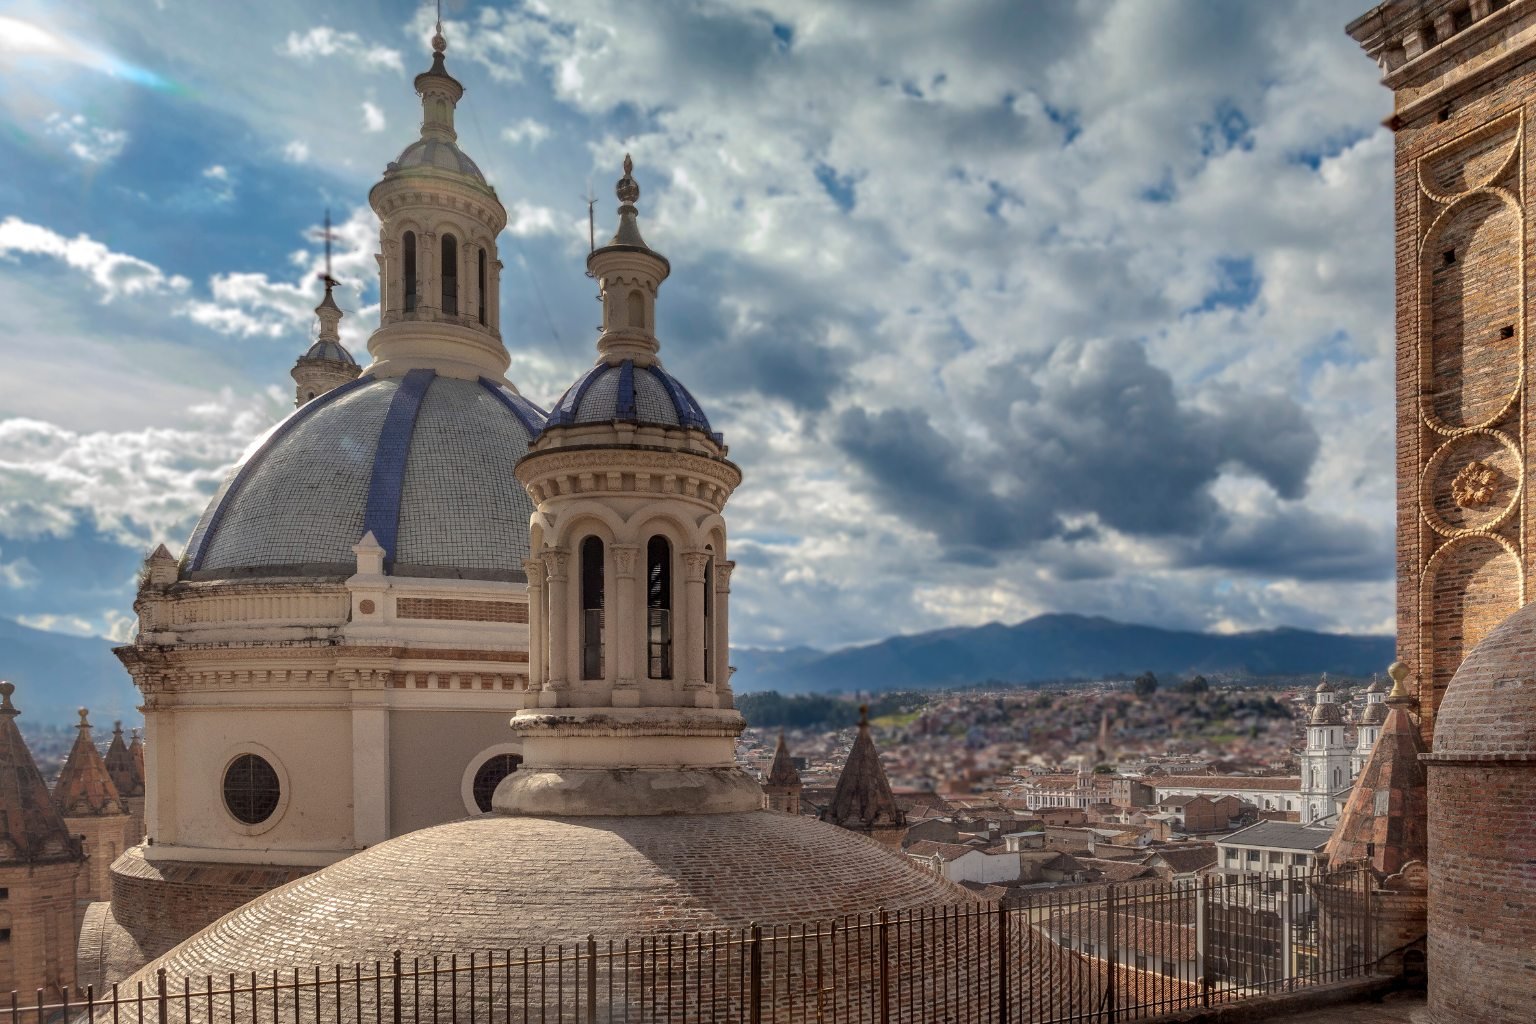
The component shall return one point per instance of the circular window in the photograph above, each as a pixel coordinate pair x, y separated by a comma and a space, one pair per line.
489, 776
251, 789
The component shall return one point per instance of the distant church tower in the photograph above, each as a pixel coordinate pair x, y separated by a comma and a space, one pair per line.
41, 872
863, 801
781, 791
1463, 366
1325, 769
1368, 729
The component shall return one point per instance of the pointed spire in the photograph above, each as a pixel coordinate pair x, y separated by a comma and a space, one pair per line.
123, 766
628, 191
783, 772
327, 363
440, 92
31, 829
85, 787
1385, 822
863, 801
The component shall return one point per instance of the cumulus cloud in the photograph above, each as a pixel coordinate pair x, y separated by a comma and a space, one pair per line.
526, 130
324, 41
373, 117
296, 152
115, 274
89, 142
220, 183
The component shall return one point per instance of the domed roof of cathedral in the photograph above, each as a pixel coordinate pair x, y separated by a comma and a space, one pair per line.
510, 881
439, 154
629, 393
1489, 709
423, 461
1326, 714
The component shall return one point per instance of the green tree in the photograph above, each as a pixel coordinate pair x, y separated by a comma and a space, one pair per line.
1197, 684
1145, 684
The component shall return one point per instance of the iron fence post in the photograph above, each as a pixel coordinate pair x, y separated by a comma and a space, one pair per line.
1202, 939
1112, 978
591, 979
755, 974
885, 968
1002, 963
396, 982
161, 997
1288, 929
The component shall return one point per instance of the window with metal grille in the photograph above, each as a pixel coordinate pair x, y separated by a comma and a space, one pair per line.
489, 775
658, 601
251, 789
592, 608
709, 620
481, 285
450, 274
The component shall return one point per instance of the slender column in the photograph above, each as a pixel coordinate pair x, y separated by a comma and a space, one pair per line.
626, 625
429, 290
694, 563
538, 624
471, 287
493, 308
722, 638
555, 560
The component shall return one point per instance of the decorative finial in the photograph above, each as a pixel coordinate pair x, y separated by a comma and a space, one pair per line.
628, 190
6, 689
327, 235
439, 44
85, 722
117, 728
1399, 673
863, 716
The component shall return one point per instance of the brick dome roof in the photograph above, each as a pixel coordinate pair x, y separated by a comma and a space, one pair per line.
508, 881
1489, 709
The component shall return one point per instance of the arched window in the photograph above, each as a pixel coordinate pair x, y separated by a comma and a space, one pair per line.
409, 244
636, 305
592, 608
480, 288
658, 605
489, 776
709, 620
450, 274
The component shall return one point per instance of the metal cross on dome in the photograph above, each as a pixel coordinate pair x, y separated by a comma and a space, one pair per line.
327, 235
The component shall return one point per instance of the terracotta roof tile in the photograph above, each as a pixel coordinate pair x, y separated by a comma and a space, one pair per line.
85, 787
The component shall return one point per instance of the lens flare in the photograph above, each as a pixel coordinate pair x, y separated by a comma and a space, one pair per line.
25, 41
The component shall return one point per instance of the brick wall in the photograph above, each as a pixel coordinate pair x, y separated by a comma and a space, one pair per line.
39, 911
1462, 199
459, 610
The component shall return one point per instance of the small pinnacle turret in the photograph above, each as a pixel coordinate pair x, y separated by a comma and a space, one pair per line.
85, 786
629, 273
863, 801
31, 829
781, 791
327, 363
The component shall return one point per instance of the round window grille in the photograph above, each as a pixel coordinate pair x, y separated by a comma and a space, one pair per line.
251, 789
490, 775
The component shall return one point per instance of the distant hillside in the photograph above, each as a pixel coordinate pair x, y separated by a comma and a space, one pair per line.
1056, 647
55, 673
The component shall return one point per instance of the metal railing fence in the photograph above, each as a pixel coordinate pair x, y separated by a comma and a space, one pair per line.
1107, 954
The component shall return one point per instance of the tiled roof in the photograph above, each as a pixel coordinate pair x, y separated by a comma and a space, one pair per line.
424, 462
85, 787
1386, 818
1183, 860
1228, 782
628, 393
1282, 835
31, 828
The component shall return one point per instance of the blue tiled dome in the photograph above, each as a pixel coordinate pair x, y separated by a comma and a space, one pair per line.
425, 462
629, 394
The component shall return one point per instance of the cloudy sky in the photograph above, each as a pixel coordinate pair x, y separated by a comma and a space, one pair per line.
1003, 307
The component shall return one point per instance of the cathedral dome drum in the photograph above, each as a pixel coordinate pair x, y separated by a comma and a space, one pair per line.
423, 461
625, 392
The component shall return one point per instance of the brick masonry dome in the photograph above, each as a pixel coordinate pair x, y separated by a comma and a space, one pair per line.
1489, 710
507, 881
1482, 847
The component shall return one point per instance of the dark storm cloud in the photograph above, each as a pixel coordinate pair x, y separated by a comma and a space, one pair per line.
1094, 431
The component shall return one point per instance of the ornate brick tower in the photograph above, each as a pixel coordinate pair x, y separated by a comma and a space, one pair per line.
1462, 83
41, 872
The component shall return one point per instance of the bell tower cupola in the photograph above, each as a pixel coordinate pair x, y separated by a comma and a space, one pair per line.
439, 276
628, 273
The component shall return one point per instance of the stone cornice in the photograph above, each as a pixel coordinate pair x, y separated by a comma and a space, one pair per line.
605, 471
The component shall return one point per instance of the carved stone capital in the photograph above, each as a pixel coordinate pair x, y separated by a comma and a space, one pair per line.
625, 557
534, 569
694, 564
555, 560
723, 577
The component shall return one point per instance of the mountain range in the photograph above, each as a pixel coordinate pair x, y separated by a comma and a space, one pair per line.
1055, 646
56, 672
